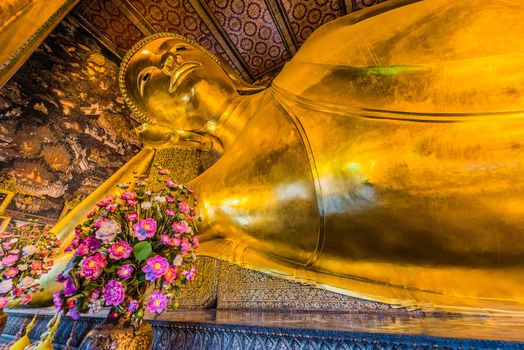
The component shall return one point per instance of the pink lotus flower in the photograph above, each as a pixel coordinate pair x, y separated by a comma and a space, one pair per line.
132, 202
10, 260
92, 266
158, 302
155, 267
132, 216
183, 207
82, 250
120, 250
3, 302
11, 272
27, 299
185, 246
180, 227
92, 213
128, 195
125, 271
166, 240
171, 274
170, 183
145, 228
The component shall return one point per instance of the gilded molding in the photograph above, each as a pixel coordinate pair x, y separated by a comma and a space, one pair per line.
134, 16
17, 58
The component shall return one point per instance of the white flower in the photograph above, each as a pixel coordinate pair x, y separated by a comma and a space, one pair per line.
178, 260
29, 250
22, 267
14, 240
27, 282
6, 286
159, 199
145, 205
108, 230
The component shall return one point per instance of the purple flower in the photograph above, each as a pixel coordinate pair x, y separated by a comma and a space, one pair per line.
145, 228
158, 302
92, 243
195, 242
69, 287
155, 267
114, 293
132, 202
180, 227
58, 300
10, 260
183, 207
60, 277
170, 212
92, 266
191, 274
132, 306
132, 216
120, 250
125, 271
74, 314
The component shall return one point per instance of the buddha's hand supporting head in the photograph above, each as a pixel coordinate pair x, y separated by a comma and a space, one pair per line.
170, 81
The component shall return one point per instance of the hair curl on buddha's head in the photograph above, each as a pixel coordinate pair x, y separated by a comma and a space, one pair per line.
139, 114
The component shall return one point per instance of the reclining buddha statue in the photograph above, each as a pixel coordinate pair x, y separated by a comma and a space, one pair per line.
384, 162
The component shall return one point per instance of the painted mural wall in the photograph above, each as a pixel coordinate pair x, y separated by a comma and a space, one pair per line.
64, 128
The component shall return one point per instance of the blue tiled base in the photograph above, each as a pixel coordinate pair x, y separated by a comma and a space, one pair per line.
210, 333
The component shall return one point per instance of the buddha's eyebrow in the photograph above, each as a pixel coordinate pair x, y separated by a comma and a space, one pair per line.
181, 48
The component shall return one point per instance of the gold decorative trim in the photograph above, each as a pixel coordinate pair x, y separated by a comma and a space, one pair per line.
4, 202
6, 69
135, 16
281, 19
221, 36
4, 223
101, 38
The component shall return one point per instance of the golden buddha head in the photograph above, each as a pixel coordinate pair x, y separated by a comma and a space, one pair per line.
169, 80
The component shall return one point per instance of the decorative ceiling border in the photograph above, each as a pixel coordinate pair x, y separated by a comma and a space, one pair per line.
283, 26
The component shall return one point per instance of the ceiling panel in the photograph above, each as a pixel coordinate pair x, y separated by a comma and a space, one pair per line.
105, 18
305, 16
253, 32
254, 36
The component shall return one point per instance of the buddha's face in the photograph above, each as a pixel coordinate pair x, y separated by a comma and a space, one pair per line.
177, 84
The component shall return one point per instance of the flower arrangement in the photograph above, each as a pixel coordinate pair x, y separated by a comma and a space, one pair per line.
130, 251
25, 256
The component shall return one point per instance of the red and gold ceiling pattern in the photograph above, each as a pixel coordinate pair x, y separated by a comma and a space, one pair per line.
255, 36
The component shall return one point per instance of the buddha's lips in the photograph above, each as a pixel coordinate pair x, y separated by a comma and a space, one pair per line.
180, 73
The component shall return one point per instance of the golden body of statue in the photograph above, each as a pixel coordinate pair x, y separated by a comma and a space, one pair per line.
384, 162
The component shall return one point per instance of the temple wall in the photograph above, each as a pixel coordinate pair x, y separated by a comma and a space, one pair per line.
63, 128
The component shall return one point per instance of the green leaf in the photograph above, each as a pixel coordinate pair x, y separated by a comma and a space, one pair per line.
142, 250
